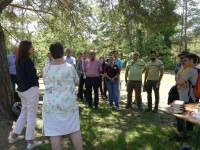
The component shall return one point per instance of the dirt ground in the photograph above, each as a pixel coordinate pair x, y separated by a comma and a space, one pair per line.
6, 126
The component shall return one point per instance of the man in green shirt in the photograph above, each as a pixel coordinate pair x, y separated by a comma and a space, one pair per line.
153, 76
133, 79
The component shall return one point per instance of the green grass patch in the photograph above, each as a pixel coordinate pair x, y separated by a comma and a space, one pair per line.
107, 129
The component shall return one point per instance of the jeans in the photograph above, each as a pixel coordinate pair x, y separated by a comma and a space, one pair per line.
136, 85
182, 125
152, 84
28, 114
92, 82
113, 92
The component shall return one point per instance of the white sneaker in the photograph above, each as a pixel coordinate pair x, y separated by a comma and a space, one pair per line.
36, 143
117, 108
111, 106
11, 140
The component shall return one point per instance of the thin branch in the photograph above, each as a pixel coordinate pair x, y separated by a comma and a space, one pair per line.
9, 33
35, 10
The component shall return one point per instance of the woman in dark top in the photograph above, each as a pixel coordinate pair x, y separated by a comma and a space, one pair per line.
29, 94
111, 75
102, 85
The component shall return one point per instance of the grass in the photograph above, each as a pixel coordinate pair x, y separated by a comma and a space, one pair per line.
107, 129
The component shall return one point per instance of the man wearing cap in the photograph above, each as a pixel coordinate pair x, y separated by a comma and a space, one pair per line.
180, 63
133, 79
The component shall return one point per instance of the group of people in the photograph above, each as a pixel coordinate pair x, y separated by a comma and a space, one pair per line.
186, 72
104, 74
98, 74
60, 112
61, 75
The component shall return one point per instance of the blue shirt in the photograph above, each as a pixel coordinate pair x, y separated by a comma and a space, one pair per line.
118, 62
26, 75
48, 62
71, 60
178, 66
11, 64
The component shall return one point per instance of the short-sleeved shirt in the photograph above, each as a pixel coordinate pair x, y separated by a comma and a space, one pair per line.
191, 75
112, 71
118, 62
11, 64
154, 69
92, 68
71, 60
135, 69
59, 93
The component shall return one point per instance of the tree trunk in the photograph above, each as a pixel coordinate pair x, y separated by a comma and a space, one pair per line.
182, 27
185, 29
6, 93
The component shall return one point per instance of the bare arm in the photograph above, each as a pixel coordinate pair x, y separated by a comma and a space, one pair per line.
146, 74
181, 82
144, 69
115, 77
108, 77
120, 69
161, 74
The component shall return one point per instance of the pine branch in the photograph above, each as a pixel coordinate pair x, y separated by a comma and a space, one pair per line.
35, 10
10, 33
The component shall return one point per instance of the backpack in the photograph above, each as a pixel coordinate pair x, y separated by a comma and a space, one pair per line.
16, 109
184, 147
196, 88
173, 94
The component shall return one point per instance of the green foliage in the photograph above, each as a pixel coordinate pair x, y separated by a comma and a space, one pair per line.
101, 25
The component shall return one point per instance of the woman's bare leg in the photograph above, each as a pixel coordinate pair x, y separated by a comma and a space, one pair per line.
56, 142
77, 140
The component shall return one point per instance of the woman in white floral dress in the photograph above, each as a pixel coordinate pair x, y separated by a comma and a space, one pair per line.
60, 111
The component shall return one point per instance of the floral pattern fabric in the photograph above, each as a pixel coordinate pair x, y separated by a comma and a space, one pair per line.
59, 93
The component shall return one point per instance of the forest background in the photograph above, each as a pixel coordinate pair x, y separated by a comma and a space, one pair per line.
167, 26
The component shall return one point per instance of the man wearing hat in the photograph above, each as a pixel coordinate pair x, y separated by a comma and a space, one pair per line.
180, 63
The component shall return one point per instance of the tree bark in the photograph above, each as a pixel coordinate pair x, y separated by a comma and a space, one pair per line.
182, 27
4, 4
6, 93
186, 17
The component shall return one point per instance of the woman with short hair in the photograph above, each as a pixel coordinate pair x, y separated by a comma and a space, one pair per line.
60, 112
